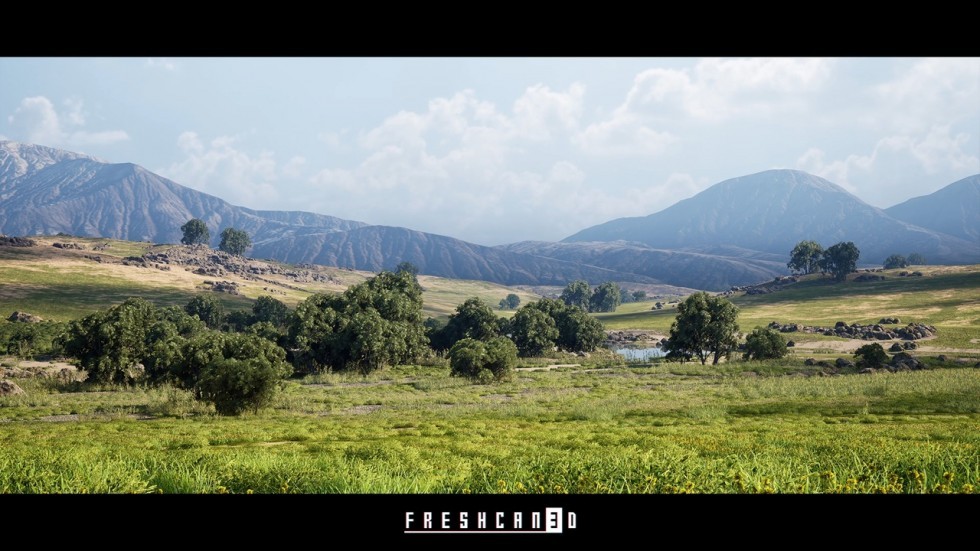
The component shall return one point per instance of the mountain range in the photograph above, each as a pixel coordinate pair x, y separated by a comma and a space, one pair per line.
737, 232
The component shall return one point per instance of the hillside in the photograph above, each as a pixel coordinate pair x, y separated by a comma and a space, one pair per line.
44, 191
954, 210
66, 283
772, 211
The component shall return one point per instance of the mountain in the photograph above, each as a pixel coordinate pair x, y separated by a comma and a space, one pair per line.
953, 210
44, 191
772, 211
715, 272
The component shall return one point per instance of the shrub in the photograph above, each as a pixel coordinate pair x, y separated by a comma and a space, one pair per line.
764, 344
871, 355
235, 386
493, 360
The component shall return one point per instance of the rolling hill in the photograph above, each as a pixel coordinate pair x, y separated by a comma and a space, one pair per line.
953, 210
771, 211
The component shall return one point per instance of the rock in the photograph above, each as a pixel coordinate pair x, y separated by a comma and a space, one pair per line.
868, 370
809, 361
8, 388
895, 347
840, 324
889, 321
24, 317
844, 362
17, 242
868, 277
790, 344
941, 357
909, 345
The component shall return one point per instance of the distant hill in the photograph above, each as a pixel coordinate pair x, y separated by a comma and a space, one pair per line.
683, 268
772, 211
953, 210
44, 191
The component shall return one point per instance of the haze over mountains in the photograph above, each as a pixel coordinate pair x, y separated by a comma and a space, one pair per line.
737, 232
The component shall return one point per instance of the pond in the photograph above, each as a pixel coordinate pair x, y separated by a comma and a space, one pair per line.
639, 354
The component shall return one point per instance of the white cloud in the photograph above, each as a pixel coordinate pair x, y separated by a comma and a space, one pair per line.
161, 63
219, 168
930, 92
712, 91
37, 121
898, 165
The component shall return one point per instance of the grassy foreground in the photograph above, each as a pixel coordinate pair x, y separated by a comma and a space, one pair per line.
660, 429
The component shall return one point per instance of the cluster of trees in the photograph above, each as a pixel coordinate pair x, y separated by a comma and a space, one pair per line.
233, 241
604, 298
838, 260
510, 302
899, 261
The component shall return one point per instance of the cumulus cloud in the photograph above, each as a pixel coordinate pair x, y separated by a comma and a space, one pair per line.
37, 121
897, 165
712, 91
218, 167
929, 92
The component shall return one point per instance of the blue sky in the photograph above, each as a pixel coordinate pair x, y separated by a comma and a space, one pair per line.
497, 150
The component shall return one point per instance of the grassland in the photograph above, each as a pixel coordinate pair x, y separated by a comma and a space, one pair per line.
597, 427
62, 284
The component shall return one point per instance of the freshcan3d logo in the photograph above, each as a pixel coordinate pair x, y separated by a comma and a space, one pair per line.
554, 520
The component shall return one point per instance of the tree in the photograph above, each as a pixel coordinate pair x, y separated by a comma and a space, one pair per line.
234, 241
195, 232
577, 293
110, 343
406, 266
916, 259
896, 261
805, 257
871, 355
510, 303
373, 324
840, 260
639, 295
472, 319
704, 325
605, 298
269, 309
208, 309
577, 331
533, 331
764, 344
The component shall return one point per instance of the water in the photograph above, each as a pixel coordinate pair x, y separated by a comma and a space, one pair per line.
639, 354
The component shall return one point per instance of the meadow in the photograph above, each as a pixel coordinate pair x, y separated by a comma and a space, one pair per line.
595, 425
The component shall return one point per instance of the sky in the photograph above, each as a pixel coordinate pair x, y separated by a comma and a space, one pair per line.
499, 150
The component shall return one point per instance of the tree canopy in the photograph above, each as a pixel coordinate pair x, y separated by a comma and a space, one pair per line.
895, 261
840, 259
805, 257
577, 293
511, 302
234, 241
764, 344
195, 232
916, 259
705, 325
605, 298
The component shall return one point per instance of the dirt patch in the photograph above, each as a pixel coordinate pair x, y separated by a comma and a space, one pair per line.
546, 368
362, 410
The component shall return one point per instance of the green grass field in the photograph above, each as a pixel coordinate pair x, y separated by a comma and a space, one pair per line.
599, 427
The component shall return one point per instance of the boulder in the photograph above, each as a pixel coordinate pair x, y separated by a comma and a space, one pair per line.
8, 388
24, 317
843, 362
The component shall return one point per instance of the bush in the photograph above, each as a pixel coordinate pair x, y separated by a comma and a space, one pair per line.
493, 360
764, 344
235, 386
871, 355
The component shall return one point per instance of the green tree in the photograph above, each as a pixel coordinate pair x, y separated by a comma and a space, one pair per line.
639, 295
270, 309
195, 232
805, 257
577, 331
234, 241
577, 293
871, 355
895, 261
208, 309
373, 324
605, 298
840, 260
533, 331
406, 266
510, 303
916, 259
110, 344
704, 325
472, 319
764, 344
244, 376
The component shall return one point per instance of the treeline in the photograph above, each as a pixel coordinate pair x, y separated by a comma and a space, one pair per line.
236, 360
